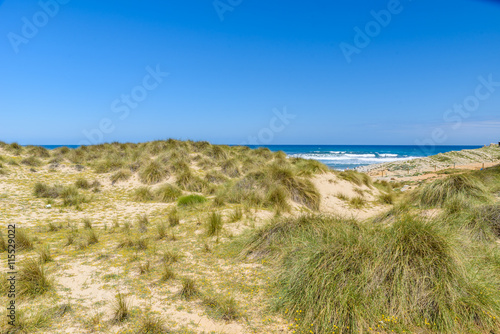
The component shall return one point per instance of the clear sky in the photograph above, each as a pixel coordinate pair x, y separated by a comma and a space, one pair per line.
250, 71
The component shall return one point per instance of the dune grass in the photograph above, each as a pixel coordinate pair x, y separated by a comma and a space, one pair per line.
120, 176
143, 194
189, 289
167, 193
32, 162
23, 240
33, 279
438, 193
356, 178
120, 309
342, 277
153, 173
214, 224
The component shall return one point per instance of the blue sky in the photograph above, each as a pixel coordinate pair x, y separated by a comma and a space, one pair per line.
67, 67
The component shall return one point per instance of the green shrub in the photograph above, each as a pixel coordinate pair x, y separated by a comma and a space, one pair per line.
191, 200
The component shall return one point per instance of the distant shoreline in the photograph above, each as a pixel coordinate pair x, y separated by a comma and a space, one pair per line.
487, 154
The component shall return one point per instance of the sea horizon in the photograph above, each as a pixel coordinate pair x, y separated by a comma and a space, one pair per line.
342, 157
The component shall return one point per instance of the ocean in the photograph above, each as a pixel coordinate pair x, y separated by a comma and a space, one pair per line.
343, 157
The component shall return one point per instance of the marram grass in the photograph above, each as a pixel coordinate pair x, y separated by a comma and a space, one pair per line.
337, 276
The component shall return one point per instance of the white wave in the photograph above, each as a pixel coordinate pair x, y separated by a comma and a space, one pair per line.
386, 155
370, 155
352, 159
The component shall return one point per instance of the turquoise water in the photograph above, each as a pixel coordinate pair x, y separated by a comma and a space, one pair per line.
351, 156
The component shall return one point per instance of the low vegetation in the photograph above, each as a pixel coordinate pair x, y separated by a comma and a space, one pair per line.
236, 235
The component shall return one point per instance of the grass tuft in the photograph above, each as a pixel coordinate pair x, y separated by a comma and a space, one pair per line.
438, 193
32, 279
121, 310
214, 224
191, 200
189, 289
153, 173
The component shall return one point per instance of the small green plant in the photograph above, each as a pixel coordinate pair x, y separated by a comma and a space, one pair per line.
92, 238
144, 268
142, 243
221, 307
161, 230
70, 239
142, 223
236, 215
342, 197
437, 193
173, 217
120, 309
167, 273
387, 198
87, 224
44, 254
170, 257
82, 183
357, 202
3, 244
23, 241
167, 193
214, 224
191, 200
32, 278
151, 325
189, 289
